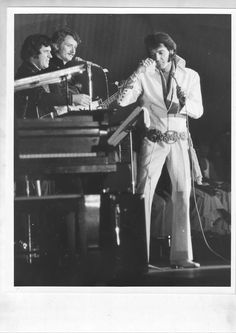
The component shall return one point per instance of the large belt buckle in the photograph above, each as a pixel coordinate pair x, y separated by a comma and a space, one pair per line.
153, 135
170, 137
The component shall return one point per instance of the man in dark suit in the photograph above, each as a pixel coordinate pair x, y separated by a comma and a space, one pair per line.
65, 44
39, 102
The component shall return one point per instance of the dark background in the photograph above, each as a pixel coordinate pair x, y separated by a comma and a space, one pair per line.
115, 41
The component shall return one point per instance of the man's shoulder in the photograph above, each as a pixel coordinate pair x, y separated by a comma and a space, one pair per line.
55, 64
26, 69
189, 71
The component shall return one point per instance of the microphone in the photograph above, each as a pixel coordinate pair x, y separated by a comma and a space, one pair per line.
88, 62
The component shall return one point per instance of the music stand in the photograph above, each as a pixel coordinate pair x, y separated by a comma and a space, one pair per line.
122, 131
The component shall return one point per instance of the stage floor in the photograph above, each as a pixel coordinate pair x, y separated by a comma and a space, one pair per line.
97, 270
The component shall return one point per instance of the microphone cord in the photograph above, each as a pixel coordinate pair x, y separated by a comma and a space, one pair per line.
194, 196
193, 185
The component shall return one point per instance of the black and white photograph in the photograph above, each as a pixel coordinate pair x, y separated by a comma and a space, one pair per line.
118, 162
122, 149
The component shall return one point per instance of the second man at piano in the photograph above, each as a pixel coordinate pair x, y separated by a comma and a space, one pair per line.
64, 46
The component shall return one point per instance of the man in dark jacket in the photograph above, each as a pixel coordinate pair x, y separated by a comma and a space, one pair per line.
64, 46
65, 43
38, 102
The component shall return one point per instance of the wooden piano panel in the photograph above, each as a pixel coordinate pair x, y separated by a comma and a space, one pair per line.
57, 145
66, 145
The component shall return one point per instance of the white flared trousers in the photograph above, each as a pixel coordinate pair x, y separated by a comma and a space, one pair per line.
151, 160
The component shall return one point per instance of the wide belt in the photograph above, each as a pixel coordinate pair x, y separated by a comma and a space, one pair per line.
169, 136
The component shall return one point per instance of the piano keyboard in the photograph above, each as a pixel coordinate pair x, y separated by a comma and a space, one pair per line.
56, 155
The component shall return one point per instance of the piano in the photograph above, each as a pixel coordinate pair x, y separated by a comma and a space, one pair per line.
75, 143
72, 144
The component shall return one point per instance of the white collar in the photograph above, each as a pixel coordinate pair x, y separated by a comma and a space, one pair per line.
180, 61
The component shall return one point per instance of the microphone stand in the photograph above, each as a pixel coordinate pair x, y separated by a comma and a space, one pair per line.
126, 128
132, 160
90, 84
106, 79
67, 92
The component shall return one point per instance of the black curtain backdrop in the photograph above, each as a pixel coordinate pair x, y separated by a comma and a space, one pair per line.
115, 41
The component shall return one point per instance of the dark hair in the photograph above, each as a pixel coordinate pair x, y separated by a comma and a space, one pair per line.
32, 45
59, 36
154, 40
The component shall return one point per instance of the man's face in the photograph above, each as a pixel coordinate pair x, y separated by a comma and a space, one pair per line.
67, 49
161, 55
42, 60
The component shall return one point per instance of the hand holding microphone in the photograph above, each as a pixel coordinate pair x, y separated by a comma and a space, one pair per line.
147, 64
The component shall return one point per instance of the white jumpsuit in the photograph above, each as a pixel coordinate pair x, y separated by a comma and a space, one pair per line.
148, 87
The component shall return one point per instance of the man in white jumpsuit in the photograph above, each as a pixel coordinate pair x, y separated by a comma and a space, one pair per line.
168, 92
